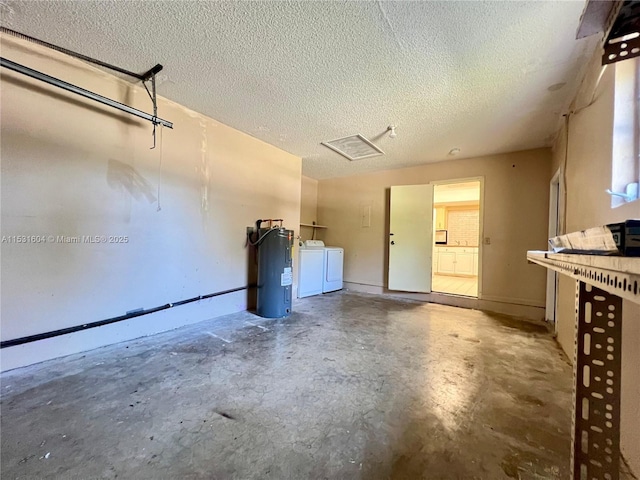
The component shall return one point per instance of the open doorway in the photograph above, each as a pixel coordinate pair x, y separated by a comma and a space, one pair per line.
456, 240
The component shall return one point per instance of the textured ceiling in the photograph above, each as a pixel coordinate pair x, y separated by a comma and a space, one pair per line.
485, 77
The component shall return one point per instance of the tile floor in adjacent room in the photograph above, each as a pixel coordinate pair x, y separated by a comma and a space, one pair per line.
467, 286
351, 386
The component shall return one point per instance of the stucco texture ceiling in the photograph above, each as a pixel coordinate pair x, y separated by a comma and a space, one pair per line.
452, 74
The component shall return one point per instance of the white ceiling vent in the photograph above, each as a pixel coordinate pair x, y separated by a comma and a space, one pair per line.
354, 147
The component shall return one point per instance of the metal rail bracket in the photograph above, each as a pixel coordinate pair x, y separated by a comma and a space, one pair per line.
148, 75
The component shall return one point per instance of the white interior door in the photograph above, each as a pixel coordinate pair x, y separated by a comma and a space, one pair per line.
411, 238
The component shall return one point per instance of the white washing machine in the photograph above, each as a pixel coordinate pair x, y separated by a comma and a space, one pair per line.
311, 268
319, 269
333, 267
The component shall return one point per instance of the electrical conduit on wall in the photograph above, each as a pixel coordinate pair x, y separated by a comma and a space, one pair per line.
108, 321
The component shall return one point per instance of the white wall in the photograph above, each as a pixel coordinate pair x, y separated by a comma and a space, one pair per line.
71, 167
588, 175
309, 207
456, 192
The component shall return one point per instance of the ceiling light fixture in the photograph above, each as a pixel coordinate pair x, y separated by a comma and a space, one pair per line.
392, 130
454, 151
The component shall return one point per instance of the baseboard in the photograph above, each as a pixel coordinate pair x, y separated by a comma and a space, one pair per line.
527, 302
527, 312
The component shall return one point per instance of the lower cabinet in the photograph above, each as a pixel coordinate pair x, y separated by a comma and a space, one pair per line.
447, 262
464, 263
455, 260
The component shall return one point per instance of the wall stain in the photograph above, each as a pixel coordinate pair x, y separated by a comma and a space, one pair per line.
125, 178
204, 170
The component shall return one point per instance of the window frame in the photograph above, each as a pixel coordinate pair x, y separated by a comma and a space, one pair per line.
625, 162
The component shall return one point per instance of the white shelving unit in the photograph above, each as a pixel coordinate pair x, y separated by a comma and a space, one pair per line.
603, 281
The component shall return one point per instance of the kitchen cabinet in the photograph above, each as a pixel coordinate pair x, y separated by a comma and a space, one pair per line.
455, 260
464, 263
441, 218
447, 262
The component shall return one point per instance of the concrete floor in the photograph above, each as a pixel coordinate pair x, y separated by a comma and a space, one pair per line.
351, 386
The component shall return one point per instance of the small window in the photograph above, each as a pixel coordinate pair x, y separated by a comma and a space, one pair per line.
625, 173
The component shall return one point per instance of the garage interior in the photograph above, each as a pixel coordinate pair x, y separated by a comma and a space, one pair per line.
131, 343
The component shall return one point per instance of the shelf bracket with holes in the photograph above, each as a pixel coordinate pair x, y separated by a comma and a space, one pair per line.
603, 282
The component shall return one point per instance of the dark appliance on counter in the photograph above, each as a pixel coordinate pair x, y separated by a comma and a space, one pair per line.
441, 237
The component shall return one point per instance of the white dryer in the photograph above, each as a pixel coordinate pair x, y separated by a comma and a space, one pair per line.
333, 268
311, 268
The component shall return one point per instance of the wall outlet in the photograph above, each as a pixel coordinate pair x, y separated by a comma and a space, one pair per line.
250, 230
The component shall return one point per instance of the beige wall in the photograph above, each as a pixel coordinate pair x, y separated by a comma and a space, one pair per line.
309, 207
588, 175
73, 167
515, 219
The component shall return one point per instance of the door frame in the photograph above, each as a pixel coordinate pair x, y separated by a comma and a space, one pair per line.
556, 214
481, 217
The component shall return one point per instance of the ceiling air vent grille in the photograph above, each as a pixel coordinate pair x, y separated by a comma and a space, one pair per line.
354, 147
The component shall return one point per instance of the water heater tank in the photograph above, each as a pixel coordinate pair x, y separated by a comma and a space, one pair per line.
275, 274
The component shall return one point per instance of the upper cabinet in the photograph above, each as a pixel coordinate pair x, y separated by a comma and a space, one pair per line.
441, 218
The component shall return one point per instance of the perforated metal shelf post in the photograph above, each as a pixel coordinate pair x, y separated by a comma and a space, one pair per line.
602, 284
